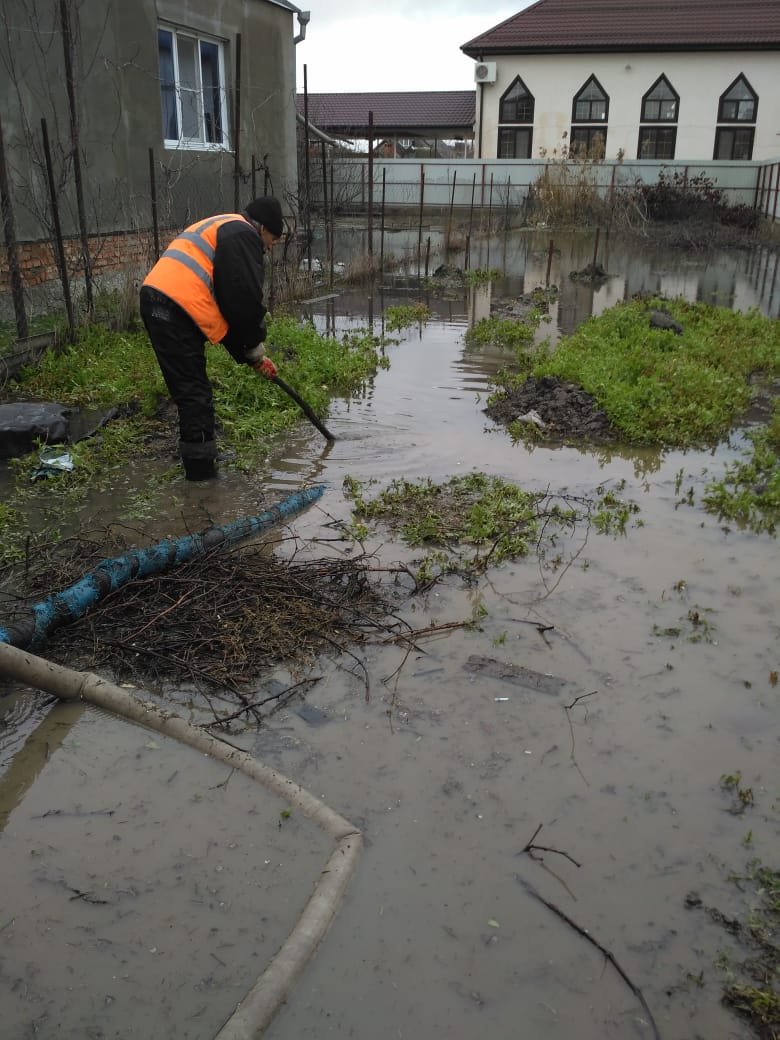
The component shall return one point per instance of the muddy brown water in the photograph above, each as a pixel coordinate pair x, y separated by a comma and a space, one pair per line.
145, 887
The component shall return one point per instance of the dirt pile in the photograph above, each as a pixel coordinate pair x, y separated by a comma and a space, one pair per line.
552, 409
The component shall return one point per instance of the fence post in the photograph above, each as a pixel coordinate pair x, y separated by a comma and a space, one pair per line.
382, 224
237, 142
549, 263
14, 271
420, 222
153, 194
596, 247
452, 203
370, 222
328, 247
67, 46
59, 247
471, 208
306, 191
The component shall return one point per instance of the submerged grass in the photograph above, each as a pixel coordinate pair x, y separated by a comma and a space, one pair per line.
749, 492
470, 522
752, 990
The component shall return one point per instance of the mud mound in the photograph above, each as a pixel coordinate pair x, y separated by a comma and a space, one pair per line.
553, 410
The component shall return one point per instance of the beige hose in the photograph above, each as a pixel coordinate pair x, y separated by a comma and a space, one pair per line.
255, 1012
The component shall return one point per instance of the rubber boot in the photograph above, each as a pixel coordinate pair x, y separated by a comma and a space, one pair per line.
199, 469
199, 459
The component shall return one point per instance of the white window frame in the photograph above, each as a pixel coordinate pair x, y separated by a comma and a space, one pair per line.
194, 143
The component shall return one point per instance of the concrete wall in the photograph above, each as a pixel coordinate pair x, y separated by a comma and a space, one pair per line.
699, 79
118, 89
501, 183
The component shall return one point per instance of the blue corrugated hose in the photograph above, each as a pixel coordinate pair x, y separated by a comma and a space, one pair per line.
109, 575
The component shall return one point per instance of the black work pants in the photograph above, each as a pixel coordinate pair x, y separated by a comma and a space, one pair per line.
179, 346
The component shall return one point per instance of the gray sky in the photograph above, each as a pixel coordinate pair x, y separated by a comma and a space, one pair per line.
395, 45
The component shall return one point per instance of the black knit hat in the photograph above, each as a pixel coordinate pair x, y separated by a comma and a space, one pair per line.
267, 211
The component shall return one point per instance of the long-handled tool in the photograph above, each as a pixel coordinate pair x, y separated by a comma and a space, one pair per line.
305, 408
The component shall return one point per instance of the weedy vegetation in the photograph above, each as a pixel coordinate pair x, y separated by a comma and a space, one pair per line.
106, 370
664, 390
403, 316
751, 987
471, 522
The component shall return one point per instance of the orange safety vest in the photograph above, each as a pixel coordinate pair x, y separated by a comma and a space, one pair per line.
185, 273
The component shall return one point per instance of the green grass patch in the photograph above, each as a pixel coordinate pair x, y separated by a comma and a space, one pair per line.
749, 492
471, 522
513, 334
662, 389
404, 315
36, 326
106, 369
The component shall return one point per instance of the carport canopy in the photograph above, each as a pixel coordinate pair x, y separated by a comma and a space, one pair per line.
405, 123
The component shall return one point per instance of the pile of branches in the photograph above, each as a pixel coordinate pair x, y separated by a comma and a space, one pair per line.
225, 617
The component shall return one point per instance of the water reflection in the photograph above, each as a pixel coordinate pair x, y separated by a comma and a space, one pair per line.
742, 279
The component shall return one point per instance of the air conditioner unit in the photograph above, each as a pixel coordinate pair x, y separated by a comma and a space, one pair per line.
485, 72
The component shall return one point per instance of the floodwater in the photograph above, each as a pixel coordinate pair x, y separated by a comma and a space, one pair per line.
144, 886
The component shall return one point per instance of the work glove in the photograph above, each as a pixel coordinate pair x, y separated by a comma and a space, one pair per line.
254, 354
265, 367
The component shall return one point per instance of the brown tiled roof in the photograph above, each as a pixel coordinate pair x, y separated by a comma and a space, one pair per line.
394, 112
555, 26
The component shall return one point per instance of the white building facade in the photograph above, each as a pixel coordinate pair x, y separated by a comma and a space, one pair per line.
634, 105
690, 80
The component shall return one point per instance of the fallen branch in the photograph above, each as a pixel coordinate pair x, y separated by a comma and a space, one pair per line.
567, 708
602, 949
531, 847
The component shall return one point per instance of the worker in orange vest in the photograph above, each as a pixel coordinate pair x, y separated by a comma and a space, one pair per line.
208, 285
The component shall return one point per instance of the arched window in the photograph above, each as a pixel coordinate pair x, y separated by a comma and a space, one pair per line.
516, 107
591, 105
517, 104
739, 103
660, 105
738, 106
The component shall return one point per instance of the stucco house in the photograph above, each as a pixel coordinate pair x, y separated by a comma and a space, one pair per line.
637, 79
184, 105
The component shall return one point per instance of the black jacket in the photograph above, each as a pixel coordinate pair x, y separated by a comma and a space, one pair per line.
239, 272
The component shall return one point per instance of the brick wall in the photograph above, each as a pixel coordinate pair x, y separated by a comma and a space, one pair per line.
109, 254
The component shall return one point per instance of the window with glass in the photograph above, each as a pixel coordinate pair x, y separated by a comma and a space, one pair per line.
588, 142
733, 142
516, 106
661, 103
192, 89
738, 104
591, 104
515, 142
657, 142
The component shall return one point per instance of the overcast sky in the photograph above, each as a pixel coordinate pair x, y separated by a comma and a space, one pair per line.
395, 45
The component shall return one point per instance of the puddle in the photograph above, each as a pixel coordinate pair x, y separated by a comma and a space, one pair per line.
448, 769
145, 887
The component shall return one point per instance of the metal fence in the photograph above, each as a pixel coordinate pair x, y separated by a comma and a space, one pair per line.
68, 258
447, 185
